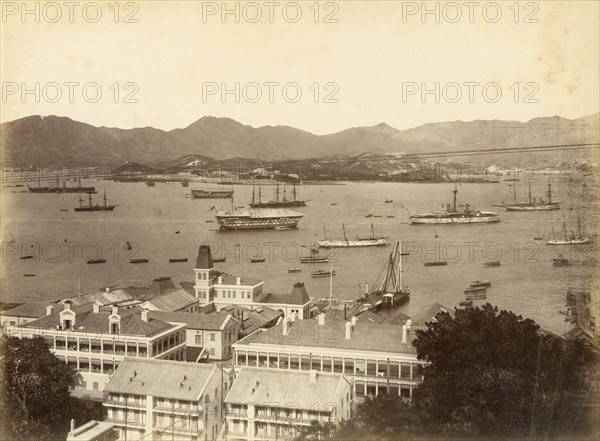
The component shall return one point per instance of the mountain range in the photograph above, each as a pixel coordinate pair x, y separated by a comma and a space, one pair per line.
38, 139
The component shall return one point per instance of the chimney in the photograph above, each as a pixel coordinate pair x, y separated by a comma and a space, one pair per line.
72, 425
67, 304
293, 317
144, 315
114, 309
108, 289
49, 309
238, 280
96, 308
348, 330
321, 318
312, 376
220, 280
286, 325
404, 333
353, 320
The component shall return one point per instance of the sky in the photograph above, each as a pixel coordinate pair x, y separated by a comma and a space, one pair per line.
321, 67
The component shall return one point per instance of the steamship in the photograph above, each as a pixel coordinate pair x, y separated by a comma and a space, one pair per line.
452, 216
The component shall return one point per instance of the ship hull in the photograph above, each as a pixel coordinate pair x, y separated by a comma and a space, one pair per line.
259, 220
351, 243
285, 204
568, 242
436, 220
107, 208
204, 194
532, 207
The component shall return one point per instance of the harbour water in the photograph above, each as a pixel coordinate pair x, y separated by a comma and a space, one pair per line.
62, 240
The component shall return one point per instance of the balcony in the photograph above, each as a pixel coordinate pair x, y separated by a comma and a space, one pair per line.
128, 423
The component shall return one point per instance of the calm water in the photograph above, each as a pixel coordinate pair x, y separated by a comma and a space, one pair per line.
148, 217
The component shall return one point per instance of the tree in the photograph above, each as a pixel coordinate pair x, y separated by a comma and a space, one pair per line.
34, 400
493, 373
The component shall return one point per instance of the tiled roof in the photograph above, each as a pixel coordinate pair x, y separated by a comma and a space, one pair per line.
369, 317
87, 320
161, 378
211, 321
173, 300
31, 310
364, 337
262, 386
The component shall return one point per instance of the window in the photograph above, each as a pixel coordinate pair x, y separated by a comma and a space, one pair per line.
84, 344
382, 368
95, 385
394, 389
262, 359
198, 339
418, 371
131, 349
371, 367
241, 358
360, 387
394, 370
107, 347
212, 337
316, 363
305, 362
283, 361
405, 391
349, 366
405, 370
326, 364
360, 367
338, 365
142, 350
251, 358
84, 364
371, 388
294, 362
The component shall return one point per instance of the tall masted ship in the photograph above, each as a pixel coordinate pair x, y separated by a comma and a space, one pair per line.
258, 219
533, 204
277, 202
211, 194
453, 216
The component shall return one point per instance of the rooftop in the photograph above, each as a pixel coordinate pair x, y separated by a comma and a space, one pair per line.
364, 337
211, 321
172, 300
428, 313
178, 380
227, 279
275, 387
103, 298
204, 259
298, 296
97, 322
89, 431
31, 310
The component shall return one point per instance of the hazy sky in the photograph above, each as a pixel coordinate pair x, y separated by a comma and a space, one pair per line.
374, 61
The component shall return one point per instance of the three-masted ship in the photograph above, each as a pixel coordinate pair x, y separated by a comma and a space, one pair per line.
569, 239
277, 202
533, 204
95, 207
453, 216
258, 219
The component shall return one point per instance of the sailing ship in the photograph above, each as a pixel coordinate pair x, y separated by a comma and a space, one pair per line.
211, 194
533, 204
452, 216
276, 203
97, 207
372, 241
258, 219
572, 239
392, 291
560, 261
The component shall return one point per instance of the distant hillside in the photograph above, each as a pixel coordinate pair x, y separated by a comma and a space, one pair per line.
57, 139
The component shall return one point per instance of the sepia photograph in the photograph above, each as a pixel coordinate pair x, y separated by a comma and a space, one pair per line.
299, 220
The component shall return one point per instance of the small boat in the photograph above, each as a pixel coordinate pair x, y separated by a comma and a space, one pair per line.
333, 203
377, 215
476, 296
294, 270
138, 261
257, 259
538, 238
210, 221
219, 259
436, 263
185, 184
177, 232
178, 259
466, 303
391, 217
475, 290
388, 201
560, 261
96, 261
490, 264
28, 256
150, 183
480, 283
28, 275
64, 209
368, 216
323, 273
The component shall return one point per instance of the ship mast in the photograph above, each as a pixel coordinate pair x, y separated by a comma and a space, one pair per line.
259, 194
105, 198
344, 230
324, 232
455, 191
372, 232
90, 198
530, 192
294, 192
253, 190
80, 201
277, 191
579, 225
549, 193
515, 193
284, 198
